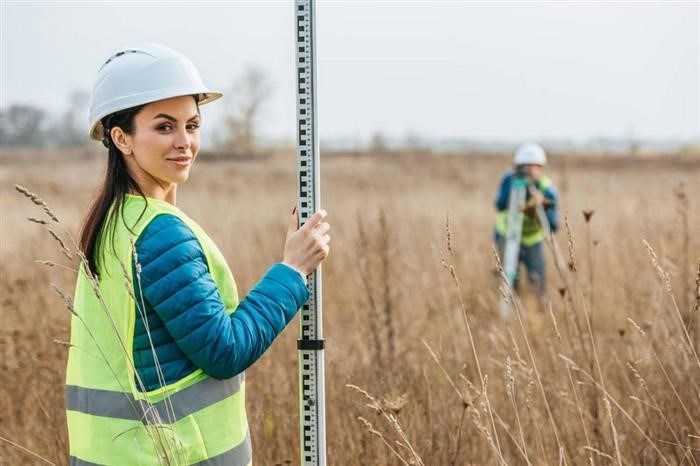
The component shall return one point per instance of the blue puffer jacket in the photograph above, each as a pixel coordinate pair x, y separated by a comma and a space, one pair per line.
549, 193
192, 330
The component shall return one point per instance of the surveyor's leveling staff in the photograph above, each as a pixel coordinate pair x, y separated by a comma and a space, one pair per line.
312, 412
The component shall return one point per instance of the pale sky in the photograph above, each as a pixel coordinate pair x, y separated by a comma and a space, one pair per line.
466, 70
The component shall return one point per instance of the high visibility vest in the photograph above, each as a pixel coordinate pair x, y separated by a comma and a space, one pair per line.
532, 230
196, 420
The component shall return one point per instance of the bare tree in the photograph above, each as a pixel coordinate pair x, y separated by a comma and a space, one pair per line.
68, 129
22, 125
412, 141
250, 91
378, 144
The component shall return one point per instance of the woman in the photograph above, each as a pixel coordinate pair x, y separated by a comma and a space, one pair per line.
159, 339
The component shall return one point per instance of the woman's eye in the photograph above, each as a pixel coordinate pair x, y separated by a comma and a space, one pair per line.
169, 127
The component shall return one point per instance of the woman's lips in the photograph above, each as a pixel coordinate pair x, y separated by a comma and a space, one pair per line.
181, 161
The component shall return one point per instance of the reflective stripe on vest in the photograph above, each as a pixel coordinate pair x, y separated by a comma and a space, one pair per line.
532, 232
195, 420
124, 406
240, 455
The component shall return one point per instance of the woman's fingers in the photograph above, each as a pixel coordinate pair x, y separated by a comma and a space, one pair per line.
321, 228
306, 247
314, 220
320, 246
317, 242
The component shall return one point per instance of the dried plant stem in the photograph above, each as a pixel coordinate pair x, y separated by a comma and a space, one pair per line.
569, 285
510, 389
682, 209
161, 445
537, 426
571, 379
393, 422
695, 310
518, 312
378, 434
587, 351
141, 307
26, 450
458, 440
663, 275
687, 448
596, 361
612, 399
385, 242
103, 357
507, 429
55, 264
598, 452
447, 376
691, 419
655, 406
553, 246
591, 274
364, 245
472, 343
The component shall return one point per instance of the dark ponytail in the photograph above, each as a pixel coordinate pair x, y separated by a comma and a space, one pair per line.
117, 182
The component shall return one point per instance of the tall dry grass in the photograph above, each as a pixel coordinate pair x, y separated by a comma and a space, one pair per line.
607, 374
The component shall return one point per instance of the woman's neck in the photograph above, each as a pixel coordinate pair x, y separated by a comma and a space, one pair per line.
168, 194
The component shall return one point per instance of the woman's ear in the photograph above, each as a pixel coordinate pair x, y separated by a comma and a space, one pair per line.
121, 140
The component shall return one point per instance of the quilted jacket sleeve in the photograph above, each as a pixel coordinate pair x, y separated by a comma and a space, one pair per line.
551, 194
176, 282
503, 192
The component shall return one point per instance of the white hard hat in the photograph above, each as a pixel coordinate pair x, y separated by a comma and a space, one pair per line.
140, 74
530, 154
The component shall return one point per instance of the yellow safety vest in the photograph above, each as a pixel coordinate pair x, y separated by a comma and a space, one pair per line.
196, 420
532, 230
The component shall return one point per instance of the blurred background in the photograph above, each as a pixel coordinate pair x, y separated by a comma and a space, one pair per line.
421, 106
444, 75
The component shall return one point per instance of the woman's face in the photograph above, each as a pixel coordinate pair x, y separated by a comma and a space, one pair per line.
164, 142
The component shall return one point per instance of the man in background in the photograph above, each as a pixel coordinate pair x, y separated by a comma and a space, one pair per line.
529, 162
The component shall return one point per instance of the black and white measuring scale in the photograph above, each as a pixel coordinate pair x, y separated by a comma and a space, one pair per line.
312, 412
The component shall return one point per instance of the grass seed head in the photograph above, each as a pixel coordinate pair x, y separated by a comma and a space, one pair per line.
395, 405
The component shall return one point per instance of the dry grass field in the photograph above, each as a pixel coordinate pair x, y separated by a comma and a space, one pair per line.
608, 374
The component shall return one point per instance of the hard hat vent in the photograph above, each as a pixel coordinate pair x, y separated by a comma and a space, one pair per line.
118, 54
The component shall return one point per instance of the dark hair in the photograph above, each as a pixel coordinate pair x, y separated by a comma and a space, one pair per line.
117, 182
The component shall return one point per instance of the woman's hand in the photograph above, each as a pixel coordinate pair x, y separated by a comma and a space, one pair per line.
306, 247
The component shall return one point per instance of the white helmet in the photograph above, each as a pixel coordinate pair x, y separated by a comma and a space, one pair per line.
140, 74
530, 154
